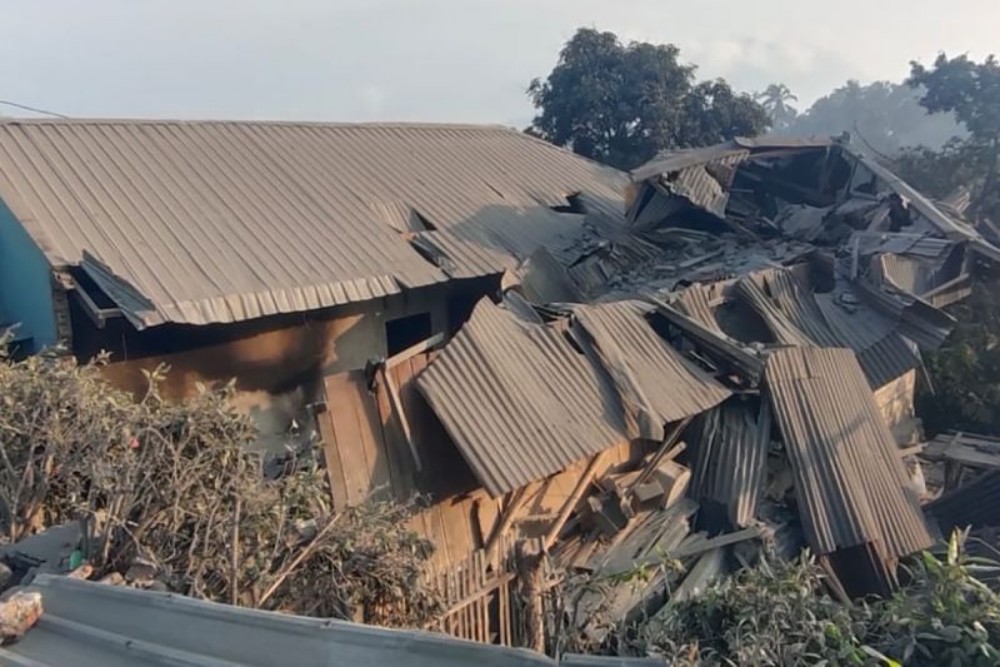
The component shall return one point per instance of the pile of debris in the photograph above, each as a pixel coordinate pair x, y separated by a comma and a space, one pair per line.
754, 324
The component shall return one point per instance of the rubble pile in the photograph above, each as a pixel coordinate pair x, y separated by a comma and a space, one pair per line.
756, 321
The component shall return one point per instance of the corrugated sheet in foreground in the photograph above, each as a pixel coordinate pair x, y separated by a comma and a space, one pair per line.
518, 400
87, 624
851, 484
652, 377
202, 222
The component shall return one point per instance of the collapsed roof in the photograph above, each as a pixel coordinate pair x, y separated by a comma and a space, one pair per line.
801, 275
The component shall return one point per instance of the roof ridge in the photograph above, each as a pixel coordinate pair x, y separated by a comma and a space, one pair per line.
260, 122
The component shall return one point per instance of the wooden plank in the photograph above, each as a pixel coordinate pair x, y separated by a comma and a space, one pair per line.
401, 473
414, 350
375, 450
400, 414
334, 469
340, 403
572, 501
484, 607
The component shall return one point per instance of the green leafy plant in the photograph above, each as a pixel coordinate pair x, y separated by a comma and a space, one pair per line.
176, 486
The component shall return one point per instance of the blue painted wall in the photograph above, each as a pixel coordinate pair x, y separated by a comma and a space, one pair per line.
25, 284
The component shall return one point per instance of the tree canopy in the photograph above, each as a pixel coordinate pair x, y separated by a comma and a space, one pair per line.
621, 104
971, 91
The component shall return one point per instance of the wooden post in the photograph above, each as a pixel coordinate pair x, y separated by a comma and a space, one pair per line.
529, 572
573, 500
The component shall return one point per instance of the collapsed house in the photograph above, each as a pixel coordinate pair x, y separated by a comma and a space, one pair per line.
715, 357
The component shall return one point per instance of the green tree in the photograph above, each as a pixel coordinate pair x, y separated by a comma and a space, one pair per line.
621, 104
776, 100
971, 91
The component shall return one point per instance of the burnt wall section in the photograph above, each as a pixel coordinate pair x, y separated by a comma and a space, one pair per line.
279, 364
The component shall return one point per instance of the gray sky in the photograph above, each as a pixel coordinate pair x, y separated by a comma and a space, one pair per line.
436, 60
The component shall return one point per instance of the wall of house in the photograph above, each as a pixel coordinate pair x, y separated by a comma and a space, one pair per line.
25, 284
279, 370
895, 400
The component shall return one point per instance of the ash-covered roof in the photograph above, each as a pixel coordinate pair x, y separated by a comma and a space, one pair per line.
213, 222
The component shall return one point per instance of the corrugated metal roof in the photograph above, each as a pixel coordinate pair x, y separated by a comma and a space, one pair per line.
518, 400
202, 222
676, 160
798, 317
915, 319
700, 176
657, 385
728, 460
976, 504
851, 484
87, 624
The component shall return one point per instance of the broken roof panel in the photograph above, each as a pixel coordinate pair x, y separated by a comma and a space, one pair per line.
851, 484
203, 222
518, 400
656, 383
943, 223
728, 461
795, 316
675, 160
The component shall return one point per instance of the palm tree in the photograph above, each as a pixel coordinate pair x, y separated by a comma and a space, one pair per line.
775, 100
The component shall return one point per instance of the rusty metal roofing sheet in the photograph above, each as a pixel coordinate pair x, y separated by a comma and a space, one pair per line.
656, 383
202, 222
519, 400
850, 481
728, 459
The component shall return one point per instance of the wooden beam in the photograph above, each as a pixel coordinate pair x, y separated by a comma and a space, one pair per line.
915, 450
572, 501
517, 500
414, 350
397, 409
669, 441
750, 364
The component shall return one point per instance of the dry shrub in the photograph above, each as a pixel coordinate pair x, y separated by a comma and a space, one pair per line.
173, 484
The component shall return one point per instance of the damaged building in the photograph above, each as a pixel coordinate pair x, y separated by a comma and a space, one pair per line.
713, 356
